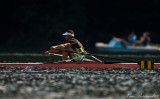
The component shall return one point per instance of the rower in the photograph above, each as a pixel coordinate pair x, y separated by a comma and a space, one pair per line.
73, 45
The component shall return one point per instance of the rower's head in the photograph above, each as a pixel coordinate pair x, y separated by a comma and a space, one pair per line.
146, 34
69, 35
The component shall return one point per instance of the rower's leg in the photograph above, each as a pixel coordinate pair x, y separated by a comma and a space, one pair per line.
66, 54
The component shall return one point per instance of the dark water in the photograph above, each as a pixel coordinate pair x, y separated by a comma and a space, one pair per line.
76, 83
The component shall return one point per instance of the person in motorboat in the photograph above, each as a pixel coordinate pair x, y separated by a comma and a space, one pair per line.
130, 41
144, 40
69, 48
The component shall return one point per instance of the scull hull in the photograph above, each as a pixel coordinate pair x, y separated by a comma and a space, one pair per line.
76, 65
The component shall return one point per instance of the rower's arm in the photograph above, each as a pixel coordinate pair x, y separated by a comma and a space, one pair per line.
51, 51
61, 46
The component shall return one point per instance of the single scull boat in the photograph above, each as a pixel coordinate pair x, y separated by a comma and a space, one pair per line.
87, 63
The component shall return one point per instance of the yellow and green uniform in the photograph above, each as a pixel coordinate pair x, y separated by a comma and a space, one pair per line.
78, 47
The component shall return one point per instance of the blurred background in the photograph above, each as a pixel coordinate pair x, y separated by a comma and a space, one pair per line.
35, 25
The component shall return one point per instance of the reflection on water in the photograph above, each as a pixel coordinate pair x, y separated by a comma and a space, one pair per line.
49, 83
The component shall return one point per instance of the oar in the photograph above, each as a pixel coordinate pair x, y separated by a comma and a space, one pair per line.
96, 58
99, 56
55, 54
113, 58
69, 60
66, 61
